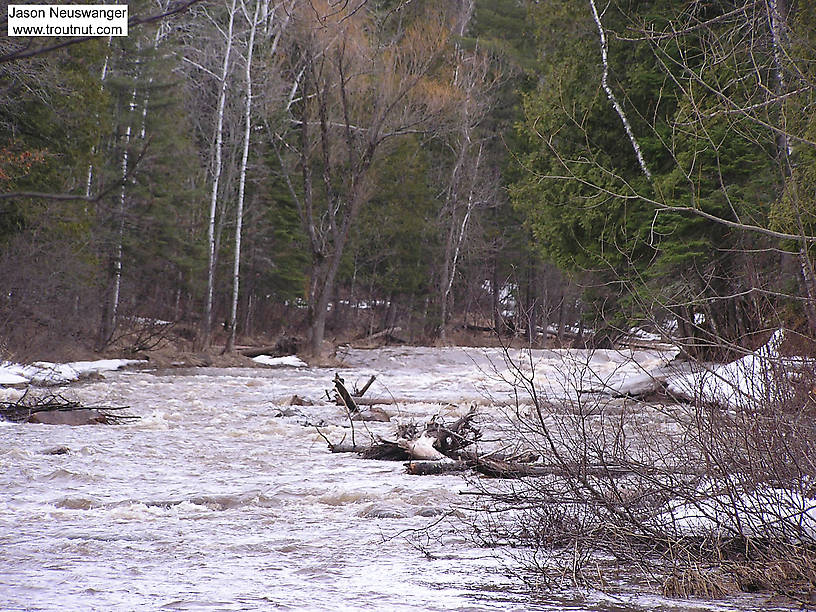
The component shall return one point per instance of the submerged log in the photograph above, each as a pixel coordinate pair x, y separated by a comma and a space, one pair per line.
374, 401
80, 416
372, 414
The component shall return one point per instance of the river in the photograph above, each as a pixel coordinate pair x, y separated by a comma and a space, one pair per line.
214, 501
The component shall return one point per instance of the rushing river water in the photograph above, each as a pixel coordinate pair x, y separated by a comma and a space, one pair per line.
214, 501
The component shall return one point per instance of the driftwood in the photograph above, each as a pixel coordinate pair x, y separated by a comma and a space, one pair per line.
441, 448
434, 442
522, 457
344, 395
58, 410
386, 334
386, 450
348, 448
431, 468
362, 391
512, 469
450, 439
497, 468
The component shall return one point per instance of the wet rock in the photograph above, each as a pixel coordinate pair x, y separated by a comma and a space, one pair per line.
68, 417
296, 400
57, 450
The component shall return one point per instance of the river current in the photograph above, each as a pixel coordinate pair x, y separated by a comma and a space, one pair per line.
222, 497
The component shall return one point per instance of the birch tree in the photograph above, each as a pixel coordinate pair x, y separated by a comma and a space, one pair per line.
239, 211
218, 137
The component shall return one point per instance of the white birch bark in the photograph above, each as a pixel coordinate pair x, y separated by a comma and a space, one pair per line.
219, 136
463, 228
239, 214
117, 261
89, 179
611, 95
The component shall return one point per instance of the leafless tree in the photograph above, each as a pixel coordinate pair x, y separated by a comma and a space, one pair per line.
357, 83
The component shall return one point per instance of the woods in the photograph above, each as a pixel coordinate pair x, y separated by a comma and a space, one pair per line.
334, 169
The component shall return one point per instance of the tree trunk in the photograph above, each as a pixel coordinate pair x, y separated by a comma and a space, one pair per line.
495, 301
219, 139
110, 309
239, 214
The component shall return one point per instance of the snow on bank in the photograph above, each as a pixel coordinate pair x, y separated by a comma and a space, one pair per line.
770, 512
9, 375
641, 334
44, 372
292, 361
743, 383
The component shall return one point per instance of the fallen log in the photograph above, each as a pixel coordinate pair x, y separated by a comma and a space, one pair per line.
284, 346
422, 448
258, 351
522, 457
348, 448
496, 468
479, 328
385, 333
432, 468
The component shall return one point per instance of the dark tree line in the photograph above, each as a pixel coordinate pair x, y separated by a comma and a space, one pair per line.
331, 169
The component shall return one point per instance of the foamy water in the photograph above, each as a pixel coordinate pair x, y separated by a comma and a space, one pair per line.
212, 501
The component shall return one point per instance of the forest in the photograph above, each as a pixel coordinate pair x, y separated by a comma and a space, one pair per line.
249, 169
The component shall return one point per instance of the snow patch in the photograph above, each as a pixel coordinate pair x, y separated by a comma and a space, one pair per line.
11, 374
642, 334
754, 378
776, 512
44, 372
292, 361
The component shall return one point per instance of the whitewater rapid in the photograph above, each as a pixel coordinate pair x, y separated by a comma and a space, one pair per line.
221, 497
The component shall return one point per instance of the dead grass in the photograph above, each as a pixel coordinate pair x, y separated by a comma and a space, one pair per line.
699, 582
